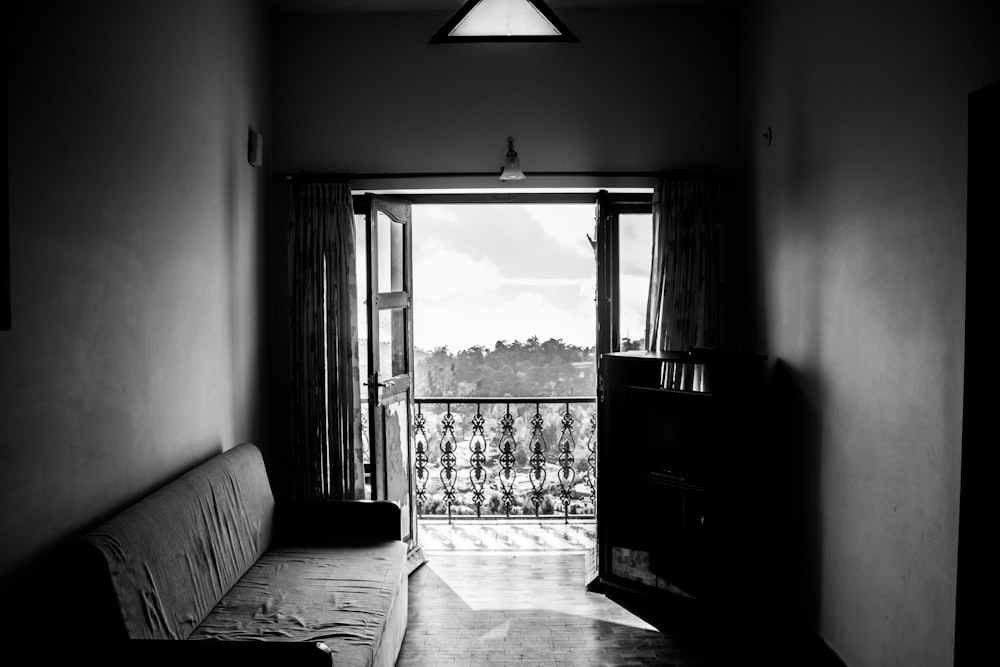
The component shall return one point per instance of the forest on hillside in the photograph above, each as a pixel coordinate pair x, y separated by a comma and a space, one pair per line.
532, 368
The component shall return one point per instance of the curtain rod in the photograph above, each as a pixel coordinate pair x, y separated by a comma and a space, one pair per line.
322, 177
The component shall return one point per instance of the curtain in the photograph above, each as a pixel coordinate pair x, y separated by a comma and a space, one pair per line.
325, 396
684, 305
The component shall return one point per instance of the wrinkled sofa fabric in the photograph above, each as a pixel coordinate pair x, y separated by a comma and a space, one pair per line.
208, 569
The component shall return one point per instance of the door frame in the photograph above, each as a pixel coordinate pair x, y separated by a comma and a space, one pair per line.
609, 206
977, 553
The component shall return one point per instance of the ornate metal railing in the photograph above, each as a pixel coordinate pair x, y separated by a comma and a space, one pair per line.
492, 456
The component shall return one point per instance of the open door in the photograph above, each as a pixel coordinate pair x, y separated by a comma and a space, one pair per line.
623, 226
606, 257
389, 304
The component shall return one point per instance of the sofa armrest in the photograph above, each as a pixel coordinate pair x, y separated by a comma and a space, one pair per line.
248, 653
319, 522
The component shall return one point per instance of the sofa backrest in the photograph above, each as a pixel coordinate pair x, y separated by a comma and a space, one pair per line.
169, 558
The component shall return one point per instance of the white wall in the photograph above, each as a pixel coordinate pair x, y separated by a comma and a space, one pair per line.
136, 255
860, 205
641, 91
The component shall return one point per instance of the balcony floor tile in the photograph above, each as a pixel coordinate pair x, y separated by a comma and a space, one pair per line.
515, 535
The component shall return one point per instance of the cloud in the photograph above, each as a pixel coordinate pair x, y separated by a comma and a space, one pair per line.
490, 272
633, 294
442, 273
567, 225
439, 213
513, 236
635, 244
463, 322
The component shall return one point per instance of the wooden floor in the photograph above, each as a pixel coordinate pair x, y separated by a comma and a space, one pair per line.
506, 608
524, 607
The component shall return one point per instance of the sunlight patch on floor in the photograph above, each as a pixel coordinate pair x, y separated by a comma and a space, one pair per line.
529, 582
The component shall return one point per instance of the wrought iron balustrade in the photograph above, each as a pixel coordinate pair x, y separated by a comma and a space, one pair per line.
503, 456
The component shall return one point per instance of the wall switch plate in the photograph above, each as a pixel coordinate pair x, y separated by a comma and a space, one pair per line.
255, 148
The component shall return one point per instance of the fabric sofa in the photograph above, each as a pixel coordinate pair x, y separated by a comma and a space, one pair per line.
210, 570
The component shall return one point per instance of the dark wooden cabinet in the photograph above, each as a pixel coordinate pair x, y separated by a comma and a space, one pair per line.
678, 461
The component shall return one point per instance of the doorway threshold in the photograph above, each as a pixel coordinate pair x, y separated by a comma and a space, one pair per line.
521, 534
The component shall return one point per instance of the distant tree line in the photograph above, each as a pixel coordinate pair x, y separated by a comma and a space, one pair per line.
531, 368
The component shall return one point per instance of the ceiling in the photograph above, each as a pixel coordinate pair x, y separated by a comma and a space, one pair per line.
351, 6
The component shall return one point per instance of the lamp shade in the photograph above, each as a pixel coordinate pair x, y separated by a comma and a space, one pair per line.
511, 164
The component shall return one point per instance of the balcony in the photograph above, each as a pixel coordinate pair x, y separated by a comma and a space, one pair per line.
505, 457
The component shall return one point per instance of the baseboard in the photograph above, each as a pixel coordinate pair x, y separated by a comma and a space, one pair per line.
804, 645
824, 653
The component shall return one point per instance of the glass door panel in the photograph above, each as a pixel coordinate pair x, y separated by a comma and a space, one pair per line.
635, 255
391, 264
393, 350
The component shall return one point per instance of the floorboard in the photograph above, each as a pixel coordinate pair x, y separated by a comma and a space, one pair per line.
527, 609
494, 595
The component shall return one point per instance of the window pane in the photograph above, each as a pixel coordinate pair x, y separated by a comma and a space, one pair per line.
635, 248
392, 342
361, 264
504, 18
390, 254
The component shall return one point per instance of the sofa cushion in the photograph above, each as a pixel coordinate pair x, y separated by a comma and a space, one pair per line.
342, 596
174, 554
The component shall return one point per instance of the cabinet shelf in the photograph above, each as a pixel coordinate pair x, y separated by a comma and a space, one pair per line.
664, 390
670, 460
668, 480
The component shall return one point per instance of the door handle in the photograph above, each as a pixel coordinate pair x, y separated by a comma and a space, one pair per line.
387, 383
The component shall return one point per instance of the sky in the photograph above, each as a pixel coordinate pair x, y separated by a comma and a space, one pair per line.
483, 273
489, 272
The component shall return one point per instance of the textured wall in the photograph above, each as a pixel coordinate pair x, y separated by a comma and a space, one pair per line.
860, 207
136, 261
642, 90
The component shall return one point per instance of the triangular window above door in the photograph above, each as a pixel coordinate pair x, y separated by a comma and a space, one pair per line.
504, 21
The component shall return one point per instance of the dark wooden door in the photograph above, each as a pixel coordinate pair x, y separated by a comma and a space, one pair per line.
389, 299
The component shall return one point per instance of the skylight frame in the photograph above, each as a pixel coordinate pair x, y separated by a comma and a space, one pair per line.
443, 37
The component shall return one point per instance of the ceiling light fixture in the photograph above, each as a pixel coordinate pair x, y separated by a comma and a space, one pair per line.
504, 21
511, 164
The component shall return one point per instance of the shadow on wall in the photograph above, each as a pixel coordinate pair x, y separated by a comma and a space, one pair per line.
48, 587
796, 442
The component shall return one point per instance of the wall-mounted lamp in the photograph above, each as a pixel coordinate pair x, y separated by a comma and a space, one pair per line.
511, 164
